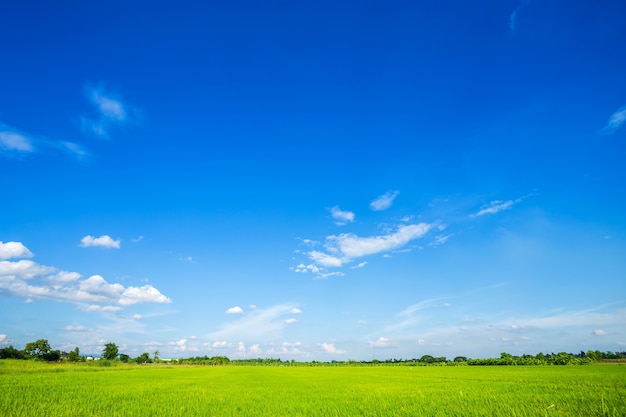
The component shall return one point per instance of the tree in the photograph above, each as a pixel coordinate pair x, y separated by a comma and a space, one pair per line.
110, 351
74, 355
143, 358
11, 353
156, 355
124, 357
37, 349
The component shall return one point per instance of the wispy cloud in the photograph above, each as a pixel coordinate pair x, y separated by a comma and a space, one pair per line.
111, 111
13, 140
513, 16
339, 250
496, 206
616, 120
384, 201
341, 217
30, 280
346, 247
104, 241
257, 325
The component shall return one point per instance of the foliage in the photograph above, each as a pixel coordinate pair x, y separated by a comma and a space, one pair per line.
110, 351
40, 349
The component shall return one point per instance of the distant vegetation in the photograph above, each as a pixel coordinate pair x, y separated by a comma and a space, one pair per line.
41, 350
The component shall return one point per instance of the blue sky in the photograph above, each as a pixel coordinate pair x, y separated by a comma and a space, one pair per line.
314, 180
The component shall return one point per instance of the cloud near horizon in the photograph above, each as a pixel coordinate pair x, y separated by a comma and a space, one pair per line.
260, 324
32, 281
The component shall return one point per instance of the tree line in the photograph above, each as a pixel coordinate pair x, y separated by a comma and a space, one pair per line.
41, 350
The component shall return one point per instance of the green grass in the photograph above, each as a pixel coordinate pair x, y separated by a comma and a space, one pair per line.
38, 389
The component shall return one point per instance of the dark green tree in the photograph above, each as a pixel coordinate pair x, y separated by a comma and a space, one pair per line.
110, 351
74, 355
143, 358
37, 349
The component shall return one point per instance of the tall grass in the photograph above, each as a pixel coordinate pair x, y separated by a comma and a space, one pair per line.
38, 389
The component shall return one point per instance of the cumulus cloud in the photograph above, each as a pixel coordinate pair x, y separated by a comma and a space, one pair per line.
381, 342
11, 250
295, 311
384, 201
290, 321
330, 348
30, 280
110, 111
616, 120
234, 310
599, 332
179, 345
341, 217
104, 241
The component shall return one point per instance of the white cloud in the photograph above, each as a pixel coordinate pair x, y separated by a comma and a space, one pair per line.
384, 201
346, 247
325, 259
295, 311
341, 217
30, 280
234, 310
14, 250
70, 328
96, 308
351, 246
496, 206
360, 265
616, 120
290, 321
3, 337
111, 111
259, 324
330, 348
13, 140
18, 142
513, 17
104, 241
381, 342
179, 345
599, 332
143, 294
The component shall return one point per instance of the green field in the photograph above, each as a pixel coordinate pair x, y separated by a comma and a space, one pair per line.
29, 388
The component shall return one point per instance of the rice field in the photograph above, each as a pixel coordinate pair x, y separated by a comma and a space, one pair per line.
29, 388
